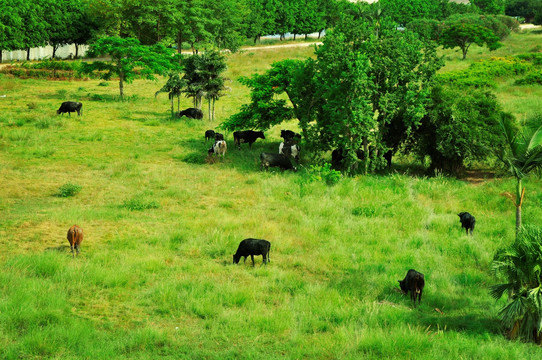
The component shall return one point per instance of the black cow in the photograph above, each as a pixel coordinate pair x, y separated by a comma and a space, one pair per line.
69, 107
252, 247
209, 134
247, 136
191, 113
275, 160
467, 221
219, 136
414, 282
290, 135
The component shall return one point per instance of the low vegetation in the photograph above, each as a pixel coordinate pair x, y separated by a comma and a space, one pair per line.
155, 278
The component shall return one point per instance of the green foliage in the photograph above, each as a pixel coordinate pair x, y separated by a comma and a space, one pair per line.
521, 154
463, 34
528, 9
461, 125
173, 87
494, 7
127, 56
519, 265
427, 29
324, 173
68, 190
482, 73
534, 78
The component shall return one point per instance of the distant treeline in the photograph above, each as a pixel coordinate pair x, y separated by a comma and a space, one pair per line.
197, 24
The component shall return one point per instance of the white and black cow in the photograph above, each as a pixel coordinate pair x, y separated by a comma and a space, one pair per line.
289, 148
219, 148
275, 160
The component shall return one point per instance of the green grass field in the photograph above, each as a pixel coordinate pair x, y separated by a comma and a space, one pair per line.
155, 277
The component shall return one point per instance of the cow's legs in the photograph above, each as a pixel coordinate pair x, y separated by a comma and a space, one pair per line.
252, 257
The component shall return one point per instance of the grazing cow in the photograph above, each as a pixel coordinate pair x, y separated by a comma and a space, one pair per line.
219, 136
69, 107
191, 113
275, 160
209, 134
219, 148
467, 221
289, 149
75, 237
414, 282
247, 136
290, 135
252, 247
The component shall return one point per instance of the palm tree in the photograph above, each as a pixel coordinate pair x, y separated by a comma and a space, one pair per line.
521, 267
522, 155
173, 87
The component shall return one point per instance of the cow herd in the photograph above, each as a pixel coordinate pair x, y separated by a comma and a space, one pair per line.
413, 282
288, 148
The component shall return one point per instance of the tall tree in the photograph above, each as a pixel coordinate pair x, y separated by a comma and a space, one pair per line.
463, 35
211, 66
35, 25
173, 87
522, 154
11, 25
494, 7
127, 55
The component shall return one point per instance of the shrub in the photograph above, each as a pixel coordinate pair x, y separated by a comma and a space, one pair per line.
324, 173
534, 78
68, 190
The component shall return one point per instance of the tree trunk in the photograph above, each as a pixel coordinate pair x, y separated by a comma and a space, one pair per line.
121, 86
520, 192
210, 110
294, 36
214, 108
179, 41
54, 51
178, 103
76, 51
172, 109
0, 56
366, 150
27, 54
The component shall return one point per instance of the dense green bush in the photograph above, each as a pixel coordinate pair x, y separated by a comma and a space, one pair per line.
68, 190
461, 125
482, 73
534, 78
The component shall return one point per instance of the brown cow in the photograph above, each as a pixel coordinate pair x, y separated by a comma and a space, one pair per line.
75, 237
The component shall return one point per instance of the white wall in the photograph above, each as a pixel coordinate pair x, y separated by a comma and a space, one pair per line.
46, 52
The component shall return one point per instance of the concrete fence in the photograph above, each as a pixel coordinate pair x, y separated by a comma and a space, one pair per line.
46, 52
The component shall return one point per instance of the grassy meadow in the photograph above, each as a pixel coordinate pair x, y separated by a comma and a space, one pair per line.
155, 277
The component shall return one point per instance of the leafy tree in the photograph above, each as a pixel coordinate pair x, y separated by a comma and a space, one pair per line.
173, 87
522, 155
463, 35
460, 126
405, 11
127, 56
229, 25
34, 33
427, 29
494, 7
524, 8
193, 79
296, 79
519, 265
59, 15
285, 17
11, 25
212, 65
